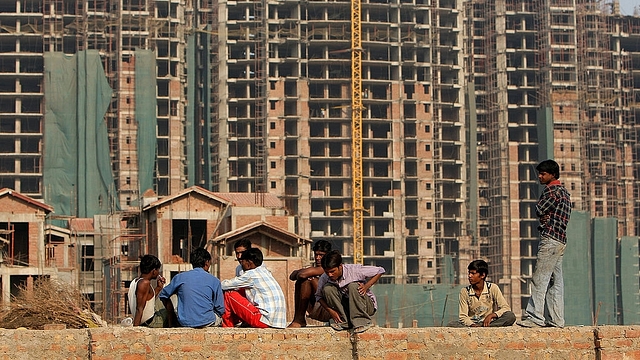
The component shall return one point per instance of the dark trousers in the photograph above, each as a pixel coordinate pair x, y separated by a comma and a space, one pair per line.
507, 319
355, 308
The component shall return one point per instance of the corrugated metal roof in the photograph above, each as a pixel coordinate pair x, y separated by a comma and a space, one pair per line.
81, 225
251, 199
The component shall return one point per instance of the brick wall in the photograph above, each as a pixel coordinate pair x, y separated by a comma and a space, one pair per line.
604, 343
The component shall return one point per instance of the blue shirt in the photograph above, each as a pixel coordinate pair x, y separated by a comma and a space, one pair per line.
199, 297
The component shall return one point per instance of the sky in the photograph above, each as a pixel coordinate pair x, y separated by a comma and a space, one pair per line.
626, 6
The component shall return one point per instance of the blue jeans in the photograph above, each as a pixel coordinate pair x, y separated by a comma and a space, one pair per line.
547, 292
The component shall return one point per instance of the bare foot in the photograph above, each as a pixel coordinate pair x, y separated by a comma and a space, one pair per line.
297, 325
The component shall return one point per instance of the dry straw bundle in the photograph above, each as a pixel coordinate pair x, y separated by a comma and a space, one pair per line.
49, 302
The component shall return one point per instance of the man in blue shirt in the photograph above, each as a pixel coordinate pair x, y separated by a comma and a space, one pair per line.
200, 299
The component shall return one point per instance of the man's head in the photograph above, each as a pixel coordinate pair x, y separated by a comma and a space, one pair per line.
200, 258
478, 270
320, 249
148, 264
548, 171
241, 246
332, 265
251, 259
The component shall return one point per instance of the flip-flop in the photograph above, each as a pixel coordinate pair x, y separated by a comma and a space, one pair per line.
361, 329
335, 326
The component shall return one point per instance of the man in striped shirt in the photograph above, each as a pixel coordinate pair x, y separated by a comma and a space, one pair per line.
264, 305
553, 210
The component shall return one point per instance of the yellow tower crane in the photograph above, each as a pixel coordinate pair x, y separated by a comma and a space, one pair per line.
356, 130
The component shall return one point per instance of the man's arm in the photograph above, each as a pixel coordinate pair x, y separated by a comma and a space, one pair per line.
142, 290
218, 300
165, 297
463, 308
499, 300
547, 202
171, 313
334, 314
306, 273
160, 281
362, 288
237, 282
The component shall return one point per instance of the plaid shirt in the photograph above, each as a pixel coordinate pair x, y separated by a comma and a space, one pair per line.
555, 201
263, 291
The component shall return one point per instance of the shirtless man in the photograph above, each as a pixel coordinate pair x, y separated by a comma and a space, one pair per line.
142, 296
306, 285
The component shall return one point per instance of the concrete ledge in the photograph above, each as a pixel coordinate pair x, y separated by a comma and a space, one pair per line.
602, 343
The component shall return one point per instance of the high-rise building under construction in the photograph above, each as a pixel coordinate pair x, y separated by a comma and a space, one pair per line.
102, 100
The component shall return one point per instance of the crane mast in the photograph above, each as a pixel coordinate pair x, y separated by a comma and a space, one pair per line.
356, 129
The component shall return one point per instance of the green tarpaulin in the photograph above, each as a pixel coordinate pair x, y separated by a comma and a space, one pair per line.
77, 171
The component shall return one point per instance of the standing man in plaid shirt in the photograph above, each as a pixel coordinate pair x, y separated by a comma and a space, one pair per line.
263, 304
553, 209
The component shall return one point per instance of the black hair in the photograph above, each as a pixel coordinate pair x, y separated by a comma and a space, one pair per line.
322, 245
254, 255
199, 257
245, 243
480, 266
550, 167
332, 259
148, 263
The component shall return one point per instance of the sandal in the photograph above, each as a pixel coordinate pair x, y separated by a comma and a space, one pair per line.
361, 329
336, 326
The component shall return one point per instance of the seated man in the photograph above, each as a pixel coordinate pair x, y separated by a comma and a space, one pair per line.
482, 303
200, 300
306, 286
142, 295
241, 246
344, 291
264, 304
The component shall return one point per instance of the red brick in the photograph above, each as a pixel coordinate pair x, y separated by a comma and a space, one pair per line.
199, 336
610, 332
102, 336
622, 343
369, 336
536, 345
166, 348
635, 333
471, 345
396, 336
610, 355
55, 326
395, 356
244, 347
415, 346
515, 345
268, 346
133, 357
238, 336
191, 348
278, 336
582, 345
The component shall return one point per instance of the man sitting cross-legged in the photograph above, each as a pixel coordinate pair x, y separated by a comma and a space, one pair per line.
482, 303
264, 305
306, 285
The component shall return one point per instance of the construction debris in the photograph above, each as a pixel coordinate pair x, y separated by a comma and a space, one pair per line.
49, 302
